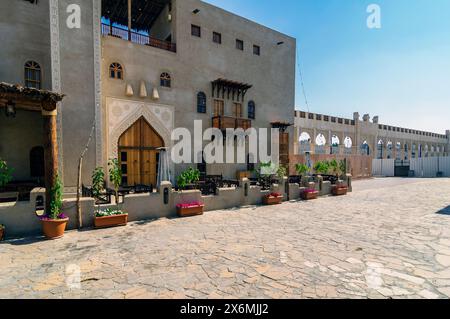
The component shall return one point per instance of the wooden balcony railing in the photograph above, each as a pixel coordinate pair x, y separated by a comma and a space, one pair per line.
226, 122
138, 38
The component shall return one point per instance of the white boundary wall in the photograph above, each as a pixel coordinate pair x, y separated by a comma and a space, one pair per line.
426, 167
383, 167
430, 166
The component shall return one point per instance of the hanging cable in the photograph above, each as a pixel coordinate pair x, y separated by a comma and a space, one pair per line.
300, 70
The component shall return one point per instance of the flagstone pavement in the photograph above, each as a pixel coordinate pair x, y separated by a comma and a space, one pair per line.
390, 238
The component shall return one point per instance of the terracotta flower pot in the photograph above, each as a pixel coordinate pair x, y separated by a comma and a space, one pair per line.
111, 221
2, 234
340, 191
272, 200
310, 195
190, 211
54, 229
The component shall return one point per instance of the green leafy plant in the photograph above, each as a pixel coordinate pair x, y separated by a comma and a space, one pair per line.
343, 167
115, 177
109, 212
281, 172
321, 167
98, 182
334, 168
188, 177
56, 200
302, 169
5, 173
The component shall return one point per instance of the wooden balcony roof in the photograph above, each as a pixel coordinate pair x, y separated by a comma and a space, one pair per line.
222, 86
29, 98
144, 12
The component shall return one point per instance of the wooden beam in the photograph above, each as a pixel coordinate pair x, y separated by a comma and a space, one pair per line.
50, 155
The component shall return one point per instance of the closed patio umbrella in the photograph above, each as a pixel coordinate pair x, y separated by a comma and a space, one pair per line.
163, 167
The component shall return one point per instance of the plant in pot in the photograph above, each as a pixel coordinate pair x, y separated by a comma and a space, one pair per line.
188, 179
190, 209
321, 168
302, 169
264, 174
309, 194
54, 223
338, 169
108, 217
2, 232
5, 175
273, 199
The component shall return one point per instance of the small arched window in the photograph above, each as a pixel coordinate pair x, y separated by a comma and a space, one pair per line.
33, 76
165, 80
116, 71
251, 110
201, 102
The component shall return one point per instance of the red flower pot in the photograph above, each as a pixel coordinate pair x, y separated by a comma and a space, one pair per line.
54, 229
111, 221
188, 211
340, 191
272, 200
308, 195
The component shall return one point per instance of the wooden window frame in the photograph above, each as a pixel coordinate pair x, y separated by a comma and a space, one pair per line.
217, 37
116, 71
196, 31
240, 45
33, 75
165, 80
256, 50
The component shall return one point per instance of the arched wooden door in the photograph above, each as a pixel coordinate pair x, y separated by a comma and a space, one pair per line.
139, 155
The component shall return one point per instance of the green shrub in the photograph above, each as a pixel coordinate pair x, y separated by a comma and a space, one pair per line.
189, 176
56, 199
302, 169
5, 173
321, 167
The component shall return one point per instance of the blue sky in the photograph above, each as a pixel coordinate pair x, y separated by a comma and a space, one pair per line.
400, 72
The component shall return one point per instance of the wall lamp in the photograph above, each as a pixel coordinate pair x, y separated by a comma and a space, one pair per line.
10, 109
196, 11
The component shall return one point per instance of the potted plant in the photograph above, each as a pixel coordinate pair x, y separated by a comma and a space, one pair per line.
273, 199
110, 218
321, 168
2, 232
115, 177
54, 223
188, 179
190, 209
302, 169
309, 194
5, 175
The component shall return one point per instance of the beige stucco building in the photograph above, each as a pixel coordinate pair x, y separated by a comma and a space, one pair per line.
132, 76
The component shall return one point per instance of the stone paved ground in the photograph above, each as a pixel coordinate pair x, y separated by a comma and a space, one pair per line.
384, 240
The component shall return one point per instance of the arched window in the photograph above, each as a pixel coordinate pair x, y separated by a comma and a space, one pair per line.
201, 102
321, 140
335, 142
348, 144
251, 110
33, 76
116, 71
365, 148
389, 149
380, 148
165, 80
305, 142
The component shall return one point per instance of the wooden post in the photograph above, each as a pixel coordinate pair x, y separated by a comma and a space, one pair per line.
50, 154
129, 20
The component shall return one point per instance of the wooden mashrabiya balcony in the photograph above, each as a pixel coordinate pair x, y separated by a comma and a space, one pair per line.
227, 122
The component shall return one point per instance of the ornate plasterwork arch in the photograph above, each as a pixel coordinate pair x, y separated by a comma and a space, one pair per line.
123, 114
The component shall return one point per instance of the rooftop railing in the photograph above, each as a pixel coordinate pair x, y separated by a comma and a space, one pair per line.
138, 38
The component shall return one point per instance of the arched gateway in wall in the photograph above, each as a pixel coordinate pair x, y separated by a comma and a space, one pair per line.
139, 155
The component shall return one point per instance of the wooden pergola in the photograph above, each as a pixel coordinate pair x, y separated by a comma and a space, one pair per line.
222, 86
13, 97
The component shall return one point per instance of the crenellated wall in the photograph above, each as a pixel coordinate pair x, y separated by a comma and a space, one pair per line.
368, 137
